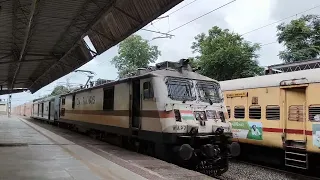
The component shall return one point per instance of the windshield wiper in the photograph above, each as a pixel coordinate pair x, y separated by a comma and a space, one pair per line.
210, 101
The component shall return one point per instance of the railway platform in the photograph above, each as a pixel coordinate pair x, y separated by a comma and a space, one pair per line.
29, 150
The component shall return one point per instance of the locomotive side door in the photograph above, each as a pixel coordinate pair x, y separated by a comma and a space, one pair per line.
295, 113
51, 110
136, 104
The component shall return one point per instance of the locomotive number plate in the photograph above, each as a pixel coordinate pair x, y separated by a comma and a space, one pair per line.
179, 128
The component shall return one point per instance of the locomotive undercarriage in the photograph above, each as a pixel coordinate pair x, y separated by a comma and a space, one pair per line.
207, 154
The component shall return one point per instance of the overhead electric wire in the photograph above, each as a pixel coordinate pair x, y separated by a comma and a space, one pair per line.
155, 31
201, 16
277, 41
268, 43
152, 23
182, 7
175, 11
279, 20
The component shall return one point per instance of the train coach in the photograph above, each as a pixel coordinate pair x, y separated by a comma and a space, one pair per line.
167, 111
23, 109
46, 108
279, 111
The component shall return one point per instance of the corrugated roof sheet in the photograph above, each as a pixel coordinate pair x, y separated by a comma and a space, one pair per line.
42, 41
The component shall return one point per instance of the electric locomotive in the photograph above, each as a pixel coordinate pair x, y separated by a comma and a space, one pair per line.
168, 111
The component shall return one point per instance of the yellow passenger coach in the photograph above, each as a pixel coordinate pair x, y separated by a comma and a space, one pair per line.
280, 111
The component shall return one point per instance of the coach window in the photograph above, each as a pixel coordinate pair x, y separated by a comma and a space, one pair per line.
229, 111
239, 112
273, 112
147, 90
255, 112
295, 113
73, 100
108, 99
314, 113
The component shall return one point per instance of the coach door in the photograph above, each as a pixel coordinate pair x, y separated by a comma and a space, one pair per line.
135, 105
295, 103
38, 107
51, 110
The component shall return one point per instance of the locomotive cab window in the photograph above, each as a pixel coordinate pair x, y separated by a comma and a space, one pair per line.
273, 112
239, 112
108, 99
314, 113
255, 112
147, 90
180, 89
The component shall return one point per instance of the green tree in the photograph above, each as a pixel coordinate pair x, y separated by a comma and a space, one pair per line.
193, 62
134, 52
224, 55
59, 90
301, 38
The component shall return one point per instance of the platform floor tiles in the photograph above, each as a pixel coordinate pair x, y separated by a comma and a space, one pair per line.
28, 151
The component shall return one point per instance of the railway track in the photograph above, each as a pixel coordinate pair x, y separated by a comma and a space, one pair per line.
243, 170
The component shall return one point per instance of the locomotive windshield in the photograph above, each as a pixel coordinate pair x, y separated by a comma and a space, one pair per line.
180, 89
209, 92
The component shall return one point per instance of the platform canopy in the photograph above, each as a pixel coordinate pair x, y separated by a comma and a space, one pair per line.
42, 40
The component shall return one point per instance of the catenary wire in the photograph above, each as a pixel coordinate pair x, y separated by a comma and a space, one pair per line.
201, 16
256, 29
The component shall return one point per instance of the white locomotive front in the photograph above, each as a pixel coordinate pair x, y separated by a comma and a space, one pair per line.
195, 117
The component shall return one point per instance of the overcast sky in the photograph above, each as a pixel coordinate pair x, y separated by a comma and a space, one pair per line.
241, 16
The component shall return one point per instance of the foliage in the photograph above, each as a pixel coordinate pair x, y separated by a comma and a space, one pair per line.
100, 81
193, 62
59, 90
225, 55
301, 38
134, 52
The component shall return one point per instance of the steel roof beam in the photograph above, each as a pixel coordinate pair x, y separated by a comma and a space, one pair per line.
103, 11
6, 56
128, 15
2, 92
27, 61
26, 40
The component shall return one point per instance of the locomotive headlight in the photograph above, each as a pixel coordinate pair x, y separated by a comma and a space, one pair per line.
227, 129
200, 115
197, 116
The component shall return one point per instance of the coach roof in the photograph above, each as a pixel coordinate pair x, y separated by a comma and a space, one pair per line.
312, 75
159, 73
